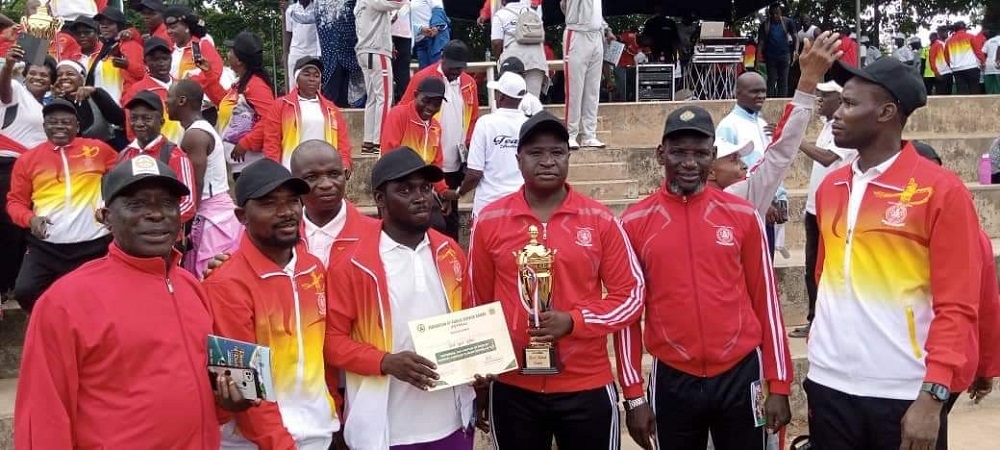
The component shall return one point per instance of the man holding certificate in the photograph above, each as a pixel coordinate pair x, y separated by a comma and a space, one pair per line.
544, 253
398, 271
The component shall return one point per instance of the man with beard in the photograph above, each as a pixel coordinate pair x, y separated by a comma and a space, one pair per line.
398, 271
64, 234
578, 403
273, 293
714, 324
132, 314
898, 275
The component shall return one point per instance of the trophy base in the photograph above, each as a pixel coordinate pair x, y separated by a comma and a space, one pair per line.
539, 361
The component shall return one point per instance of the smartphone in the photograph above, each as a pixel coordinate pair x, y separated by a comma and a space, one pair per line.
245, 378
196, 52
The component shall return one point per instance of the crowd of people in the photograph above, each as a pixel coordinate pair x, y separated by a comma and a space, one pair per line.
151, 208
954, 62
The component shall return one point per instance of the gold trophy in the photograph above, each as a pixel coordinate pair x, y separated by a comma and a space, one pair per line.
40, 29
534, 271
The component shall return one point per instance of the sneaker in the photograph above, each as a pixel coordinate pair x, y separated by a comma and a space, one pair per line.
593, 142
573, 145
800, 332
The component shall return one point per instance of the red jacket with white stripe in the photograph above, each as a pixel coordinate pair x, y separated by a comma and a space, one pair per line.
711, 298
591, 252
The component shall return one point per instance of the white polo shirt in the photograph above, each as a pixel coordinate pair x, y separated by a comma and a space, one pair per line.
320, 239
494, 152
819, 172
415, 292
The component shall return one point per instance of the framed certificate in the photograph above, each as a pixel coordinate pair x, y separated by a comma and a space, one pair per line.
465, 343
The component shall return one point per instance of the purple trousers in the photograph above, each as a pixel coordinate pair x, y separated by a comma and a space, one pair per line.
461, 439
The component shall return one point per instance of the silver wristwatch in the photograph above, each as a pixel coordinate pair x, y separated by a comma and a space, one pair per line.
634, 403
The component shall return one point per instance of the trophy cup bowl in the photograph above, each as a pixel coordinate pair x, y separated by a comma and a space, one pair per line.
535, 271
40, 29
41, 24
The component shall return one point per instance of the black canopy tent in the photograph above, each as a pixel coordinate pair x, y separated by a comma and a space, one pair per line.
701, 9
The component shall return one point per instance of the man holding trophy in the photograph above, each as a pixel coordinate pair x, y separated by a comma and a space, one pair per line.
544, 252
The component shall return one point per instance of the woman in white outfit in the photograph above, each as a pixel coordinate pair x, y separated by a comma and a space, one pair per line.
504, 36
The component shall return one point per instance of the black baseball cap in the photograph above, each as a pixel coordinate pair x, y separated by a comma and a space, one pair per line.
308, 61
689, 118
540, 123
154, 5
400, 163
155, 43
177, 11
59, 105
113, 14
903, 82
245, 45
264, 176
147, 98
432, 87
512, 64
87, 22
142, 167
455, 55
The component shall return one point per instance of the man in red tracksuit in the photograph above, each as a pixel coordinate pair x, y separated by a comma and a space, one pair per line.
54, 193
273, 293
115, 352
579, 405
713, 319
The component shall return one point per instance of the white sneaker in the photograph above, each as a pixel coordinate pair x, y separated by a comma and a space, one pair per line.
573, 145
593, 142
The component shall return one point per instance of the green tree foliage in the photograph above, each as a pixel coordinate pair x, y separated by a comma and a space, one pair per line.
905, 16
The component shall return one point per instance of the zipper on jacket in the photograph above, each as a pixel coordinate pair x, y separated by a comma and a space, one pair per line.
187, 350
911, 328
694, 282
69, 186
300, 368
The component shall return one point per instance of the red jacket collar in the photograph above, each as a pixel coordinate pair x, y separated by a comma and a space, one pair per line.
698, 196
262, 266
897, 175
570, 205
367, 250
292, 98
155, 266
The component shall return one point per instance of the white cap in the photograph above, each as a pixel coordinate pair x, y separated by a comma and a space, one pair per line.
509, 84
830, 86
724, 149
865, 40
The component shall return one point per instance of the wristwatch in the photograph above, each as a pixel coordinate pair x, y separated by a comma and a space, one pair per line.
634, 403
939, 392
